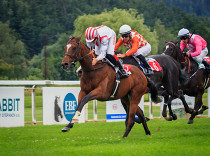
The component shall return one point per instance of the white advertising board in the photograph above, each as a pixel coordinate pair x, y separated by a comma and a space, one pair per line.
116, 112
11, 106
59, 105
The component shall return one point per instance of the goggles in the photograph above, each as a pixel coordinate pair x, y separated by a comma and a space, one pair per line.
125, 35
183, 37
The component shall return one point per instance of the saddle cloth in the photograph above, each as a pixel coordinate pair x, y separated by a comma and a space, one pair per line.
154, 64
207, 59
127, 68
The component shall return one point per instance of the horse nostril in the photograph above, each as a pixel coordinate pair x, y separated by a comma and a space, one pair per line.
64, 65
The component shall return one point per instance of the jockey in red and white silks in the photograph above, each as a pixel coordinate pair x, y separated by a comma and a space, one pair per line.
196, 44
105, 43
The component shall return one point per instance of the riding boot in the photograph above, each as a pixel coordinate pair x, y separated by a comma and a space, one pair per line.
207, 66
121, 69
148, 70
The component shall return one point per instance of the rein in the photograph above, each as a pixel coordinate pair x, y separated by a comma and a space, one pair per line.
187, 59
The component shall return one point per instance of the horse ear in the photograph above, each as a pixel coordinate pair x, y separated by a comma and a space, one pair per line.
70, 37
166, 41
176, 42
78, 38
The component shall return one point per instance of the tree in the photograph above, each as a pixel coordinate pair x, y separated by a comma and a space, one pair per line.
12, 52
114, 19
163, 35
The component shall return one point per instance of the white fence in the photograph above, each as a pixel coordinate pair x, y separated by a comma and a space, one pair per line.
48, 82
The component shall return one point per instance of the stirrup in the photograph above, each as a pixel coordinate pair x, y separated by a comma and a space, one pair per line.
123, 74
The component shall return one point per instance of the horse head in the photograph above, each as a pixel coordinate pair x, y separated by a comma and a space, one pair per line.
73, 52
173, 50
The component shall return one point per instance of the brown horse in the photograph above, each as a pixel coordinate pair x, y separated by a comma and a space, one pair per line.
198, 79
97, 83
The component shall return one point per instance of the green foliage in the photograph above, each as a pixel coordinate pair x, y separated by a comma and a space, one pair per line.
191, 7
163, 35
23, 25
12, 53
114, 19
5, 67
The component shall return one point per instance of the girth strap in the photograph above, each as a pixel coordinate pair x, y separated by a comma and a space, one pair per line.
116, 87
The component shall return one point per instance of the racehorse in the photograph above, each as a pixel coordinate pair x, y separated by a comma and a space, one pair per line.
97, 83
197, 80
166, 81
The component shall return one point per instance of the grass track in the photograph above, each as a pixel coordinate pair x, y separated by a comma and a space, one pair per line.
101, 138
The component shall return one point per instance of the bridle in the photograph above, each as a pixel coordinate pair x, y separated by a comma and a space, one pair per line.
78, 53
186, 58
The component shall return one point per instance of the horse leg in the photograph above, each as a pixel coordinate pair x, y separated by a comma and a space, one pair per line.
81, 102
141, 117
164, 112
125, 103
198, 104
186, 107
203, 109
172, 115
132, 112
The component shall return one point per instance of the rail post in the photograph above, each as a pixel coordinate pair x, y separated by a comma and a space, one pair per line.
33, 95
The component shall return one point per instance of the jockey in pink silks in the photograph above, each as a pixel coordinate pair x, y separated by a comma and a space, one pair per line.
197, 47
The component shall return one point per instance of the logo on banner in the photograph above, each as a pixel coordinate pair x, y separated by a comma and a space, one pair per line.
57, 110
69, 106
9, 107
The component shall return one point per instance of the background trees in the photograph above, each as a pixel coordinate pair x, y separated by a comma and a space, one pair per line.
24, 23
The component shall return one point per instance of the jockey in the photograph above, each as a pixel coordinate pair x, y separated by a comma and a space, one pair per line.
137, 45
197, 47
103, 40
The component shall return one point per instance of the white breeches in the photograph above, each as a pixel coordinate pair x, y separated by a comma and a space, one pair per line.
145, 50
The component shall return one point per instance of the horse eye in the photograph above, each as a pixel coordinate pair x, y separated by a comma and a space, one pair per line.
74, 48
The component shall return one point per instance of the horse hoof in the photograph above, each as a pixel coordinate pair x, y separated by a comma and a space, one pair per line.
124, 136
65, 129
190, 121
164, 114
174, 117
205, 107
168, 118
147, 119
148, 133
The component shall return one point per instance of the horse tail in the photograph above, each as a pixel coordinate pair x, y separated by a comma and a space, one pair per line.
153, 91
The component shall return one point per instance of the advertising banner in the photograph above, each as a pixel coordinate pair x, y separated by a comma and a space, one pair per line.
11, 106
116, 112
59, 105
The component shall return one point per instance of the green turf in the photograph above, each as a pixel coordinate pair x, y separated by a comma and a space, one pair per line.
175, 138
